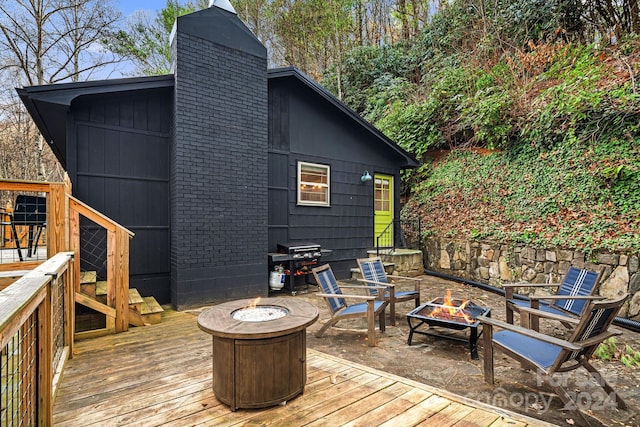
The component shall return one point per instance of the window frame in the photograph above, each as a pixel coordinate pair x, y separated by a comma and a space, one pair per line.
299, 184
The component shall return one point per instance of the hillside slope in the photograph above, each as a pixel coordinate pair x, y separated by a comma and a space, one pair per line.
583, 196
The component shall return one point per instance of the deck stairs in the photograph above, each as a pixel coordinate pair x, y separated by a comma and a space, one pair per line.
142, 310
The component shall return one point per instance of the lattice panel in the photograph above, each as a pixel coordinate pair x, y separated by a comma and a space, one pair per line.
93, 248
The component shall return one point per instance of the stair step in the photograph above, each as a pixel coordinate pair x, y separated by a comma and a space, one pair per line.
144, 310
101, 288
151, 306
150, 311
87, 277
134, 297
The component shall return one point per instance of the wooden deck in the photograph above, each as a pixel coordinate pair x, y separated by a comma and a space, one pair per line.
162, 375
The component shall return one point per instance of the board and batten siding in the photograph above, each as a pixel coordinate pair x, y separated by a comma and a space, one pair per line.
119, 166
305, 127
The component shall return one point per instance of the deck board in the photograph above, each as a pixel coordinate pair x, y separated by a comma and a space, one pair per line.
160, 375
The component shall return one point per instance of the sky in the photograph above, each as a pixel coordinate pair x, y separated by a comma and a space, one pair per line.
129, 6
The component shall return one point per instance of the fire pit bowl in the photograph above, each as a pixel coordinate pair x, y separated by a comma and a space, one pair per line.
259, 354
448, 313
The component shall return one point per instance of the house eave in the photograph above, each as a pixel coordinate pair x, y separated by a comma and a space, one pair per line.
48, 105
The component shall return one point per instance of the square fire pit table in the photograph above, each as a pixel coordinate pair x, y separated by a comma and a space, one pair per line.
447, 313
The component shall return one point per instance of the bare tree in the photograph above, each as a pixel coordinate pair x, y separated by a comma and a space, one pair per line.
50, 41
41, 42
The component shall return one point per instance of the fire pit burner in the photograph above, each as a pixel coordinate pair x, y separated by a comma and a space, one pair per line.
258, 362
260, 313
448, 313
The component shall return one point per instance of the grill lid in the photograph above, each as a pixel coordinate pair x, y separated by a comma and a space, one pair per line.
290, 247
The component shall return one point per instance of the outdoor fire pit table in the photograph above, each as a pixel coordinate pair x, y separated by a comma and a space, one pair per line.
259, 350
448, 313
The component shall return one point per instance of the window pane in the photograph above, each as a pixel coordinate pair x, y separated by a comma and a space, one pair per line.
315, 175
382, 195
313, 193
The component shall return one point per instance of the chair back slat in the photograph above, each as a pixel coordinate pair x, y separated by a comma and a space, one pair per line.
327, 282
596, 320
372, 269
577, 282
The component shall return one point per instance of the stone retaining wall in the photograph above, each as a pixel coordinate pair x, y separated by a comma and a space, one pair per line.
496, 263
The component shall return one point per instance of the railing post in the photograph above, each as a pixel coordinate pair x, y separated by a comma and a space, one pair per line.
118, 272
57, 240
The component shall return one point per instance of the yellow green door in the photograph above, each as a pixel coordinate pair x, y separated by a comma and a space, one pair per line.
383, 206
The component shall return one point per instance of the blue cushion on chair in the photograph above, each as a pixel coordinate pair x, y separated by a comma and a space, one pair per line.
539, 352
361, 307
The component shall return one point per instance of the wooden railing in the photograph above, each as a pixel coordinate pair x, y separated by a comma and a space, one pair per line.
116, 308
36, 338
57, 234
63, 233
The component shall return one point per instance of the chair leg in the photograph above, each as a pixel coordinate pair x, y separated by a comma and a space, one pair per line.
35, 240
569, 402
371, 324
16, 240
487, 331
324, 328
392, 313
30, 241
603, 383
509, 314
508, 295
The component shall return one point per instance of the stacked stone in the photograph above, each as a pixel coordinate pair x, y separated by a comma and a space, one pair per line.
497, 263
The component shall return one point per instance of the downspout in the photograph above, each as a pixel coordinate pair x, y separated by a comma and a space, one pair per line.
630, 324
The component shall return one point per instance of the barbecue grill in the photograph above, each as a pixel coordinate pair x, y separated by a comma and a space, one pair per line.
298, 258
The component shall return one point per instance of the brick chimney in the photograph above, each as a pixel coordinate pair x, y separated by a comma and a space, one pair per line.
218, 180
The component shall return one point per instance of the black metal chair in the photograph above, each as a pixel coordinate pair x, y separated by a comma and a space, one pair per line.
29, 211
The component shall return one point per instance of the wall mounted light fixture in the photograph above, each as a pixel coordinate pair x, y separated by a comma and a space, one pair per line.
366, 177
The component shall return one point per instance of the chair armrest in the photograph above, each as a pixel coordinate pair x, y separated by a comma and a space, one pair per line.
547, 315
391, 276
600, 337
378, 284
529, 285
417, 282
561, 297
367, 287
363, 297
529, 333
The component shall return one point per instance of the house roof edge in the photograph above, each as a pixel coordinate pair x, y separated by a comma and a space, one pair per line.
411, 161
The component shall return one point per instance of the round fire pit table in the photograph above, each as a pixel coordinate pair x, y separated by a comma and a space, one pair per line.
258, 360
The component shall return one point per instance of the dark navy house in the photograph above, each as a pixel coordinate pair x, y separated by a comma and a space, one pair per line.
215, 164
